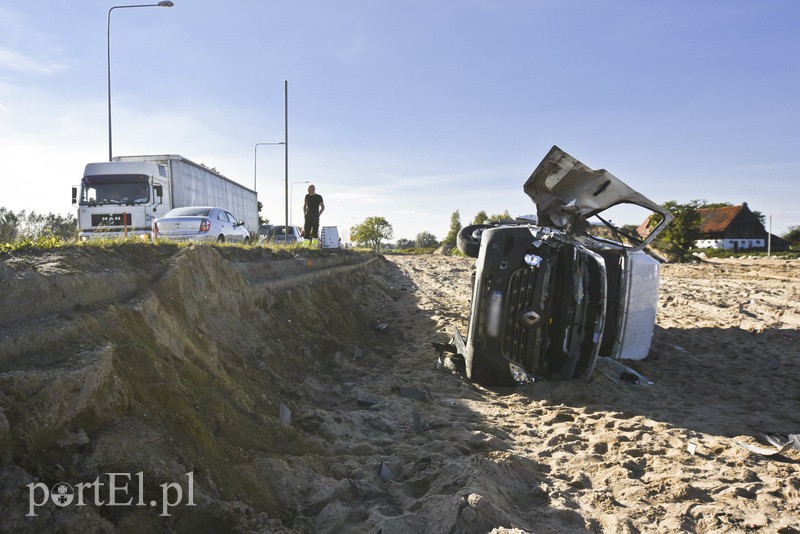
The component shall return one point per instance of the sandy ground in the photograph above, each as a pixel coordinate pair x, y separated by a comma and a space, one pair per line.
168, 361
618, 457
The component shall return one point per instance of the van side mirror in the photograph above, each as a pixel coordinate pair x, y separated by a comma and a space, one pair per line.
74, 195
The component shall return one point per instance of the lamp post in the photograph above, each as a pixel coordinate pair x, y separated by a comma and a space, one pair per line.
255, 160
165, 3
286, 150
291, 194
285, 144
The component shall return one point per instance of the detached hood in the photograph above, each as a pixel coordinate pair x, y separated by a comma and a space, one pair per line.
567, 193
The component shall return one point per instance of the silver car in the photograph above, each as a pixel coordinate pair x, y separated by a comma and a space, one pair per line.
200, 223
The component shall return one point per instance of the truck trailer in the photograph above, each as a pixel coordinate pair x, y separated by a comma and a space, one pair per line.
124, 196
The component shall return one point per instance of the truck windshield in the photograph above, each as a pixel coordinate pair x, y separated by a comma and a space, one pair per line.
123, 189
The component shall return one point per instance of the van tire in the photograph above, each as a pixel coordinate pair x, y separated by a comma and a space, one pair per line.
468, 239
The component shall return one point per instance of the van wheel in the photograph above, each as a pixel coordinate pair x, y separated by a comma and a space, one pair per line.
468, 239
221, 238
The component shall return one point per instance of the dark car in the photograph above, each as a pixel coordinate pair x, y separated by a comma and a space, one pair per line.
550, 296
279, 236
263, 230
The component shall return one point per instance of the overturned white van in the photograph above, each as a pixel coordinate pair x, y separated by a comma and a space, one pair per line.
549, 297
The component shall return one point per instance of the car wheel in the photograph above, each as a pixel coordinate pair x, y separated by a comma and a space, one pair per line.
468, 239
221, 238
246, 240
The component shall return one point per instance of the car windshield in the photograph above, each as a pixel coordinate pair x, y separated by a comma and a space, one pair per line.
189, 212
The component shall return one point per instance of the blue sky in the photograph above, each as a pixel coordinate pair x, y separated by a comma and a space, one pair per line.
410, 110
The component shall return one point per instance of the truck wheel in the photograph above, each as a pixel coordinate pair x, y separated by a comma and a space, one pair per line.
221, 238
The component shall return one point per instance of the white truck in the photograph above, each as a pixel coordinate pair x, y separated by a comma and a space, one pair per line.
124, 196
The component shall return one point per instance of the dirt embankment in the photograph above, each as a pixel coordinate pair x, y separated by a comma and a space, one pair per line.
299, 391
164, 362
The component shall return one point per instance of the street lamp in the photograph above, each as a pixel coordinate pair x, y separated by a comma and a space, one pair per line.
108, 58
255, 160
286, 152
291, 194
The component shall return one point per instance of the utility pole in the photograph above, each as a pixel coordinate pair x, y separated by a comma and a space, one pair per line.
769, 238
286, 151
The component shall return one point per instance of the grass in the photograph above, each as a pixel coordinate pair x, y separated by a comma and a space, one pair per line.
44, 242
50, 242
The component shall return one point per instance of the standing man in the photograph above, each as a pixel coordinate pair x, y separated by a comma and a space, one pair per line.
312, 208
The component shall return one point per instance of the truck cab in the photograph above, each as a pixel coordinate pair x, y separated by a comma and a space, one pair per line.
120, 198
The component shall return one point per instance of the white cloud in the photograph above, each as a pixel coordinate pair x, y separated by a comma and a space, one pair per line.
18, 62
25, 48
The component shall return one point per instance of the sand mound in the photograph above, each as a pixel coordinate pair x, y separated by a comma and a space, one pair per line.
288, 392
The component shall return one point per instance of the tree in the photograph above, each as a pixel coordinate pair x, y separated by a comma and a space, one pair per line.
405, 243
24, 225
65, 228
261, 220
502, 217
34, 226
793, 236
9, 226
761, 217
426, 240
371, 232
684, 229
480, 217
455, 227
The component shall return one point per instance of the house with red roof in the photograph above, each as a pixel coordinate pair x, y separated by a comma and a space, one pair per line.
735, 228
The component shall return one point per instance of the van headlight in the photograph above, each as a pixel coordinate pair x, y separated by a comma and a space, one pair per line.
520, 376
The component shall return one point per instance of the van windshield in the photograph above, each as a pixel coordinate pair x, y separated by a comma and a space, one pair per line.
123, 189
